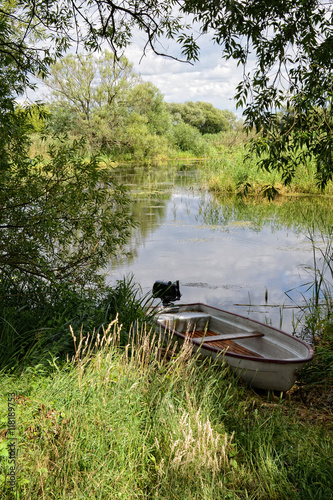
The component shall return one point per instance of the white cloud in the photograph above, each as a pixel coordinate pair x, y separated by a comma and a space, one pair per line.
211, 79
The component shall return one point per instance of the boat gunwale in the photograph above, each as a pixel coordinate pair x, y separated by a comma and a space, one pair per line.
244, 356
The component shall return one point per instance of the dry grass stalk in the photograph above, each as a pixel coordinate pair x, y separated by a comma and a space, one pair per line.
195, 442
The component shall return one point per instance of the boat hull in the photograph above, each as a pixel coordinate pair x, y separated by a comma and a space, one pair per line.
262, 356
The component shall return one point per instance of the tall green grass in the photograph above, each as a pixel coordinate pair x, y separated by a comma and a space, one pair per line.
34, 330
316, 309
147, 420
233, 172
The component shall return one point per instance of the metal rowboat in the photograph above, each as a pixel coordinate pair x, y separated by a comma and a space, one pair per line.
264, 357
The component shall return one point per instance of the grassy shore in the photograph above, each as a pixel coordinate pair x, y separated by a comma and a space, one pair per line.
146, 421
229, 173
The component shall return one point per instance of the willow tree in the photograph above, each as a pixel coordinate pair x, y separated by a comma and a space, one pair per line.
94, 91
102, 99
62, 217
285, 48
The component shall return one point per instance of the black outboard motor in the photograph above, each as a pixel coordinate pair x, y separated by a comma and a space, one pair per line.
167, 291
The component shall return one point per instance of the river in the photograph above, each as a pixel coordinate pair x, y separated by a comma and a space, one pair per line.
249, 257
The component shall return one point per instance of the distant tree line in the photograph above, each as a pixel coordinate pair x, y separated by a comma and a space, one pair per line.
103, 100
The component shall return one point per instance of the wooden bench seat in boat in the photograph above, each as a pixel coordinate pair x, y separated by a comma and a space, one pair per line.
226, 341
227, 336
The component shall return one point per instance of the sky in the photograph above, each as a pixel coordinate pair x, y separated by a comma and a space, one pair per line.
212, 79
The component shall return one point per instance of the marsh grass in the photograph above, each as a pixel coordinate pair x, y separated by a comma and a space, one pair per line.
152, 420
232, 172
316, 309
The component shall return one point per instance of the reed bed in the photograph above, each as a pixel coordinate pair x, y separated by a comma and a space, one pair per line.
232, 171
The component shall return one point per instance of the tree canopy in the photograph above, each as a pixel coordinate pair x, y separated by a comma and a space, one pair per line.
61, 220
106, 102
283, 45
202, 115
87, 84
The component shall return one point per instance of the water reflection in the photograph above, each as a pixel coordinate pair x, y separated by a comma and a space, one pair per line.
239, 256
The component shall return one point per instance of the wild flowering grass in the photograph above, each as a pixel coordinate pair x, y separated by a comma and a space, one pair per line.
151, 420
85, 431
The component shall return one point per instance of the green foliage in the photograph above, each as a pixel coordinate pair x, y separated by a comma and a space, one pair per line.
188, 138
60, 120
294, 139
135, 141
93, 92
92, 23
126, 302
35, 326
289, 43
234, 170
292, 70
105, 101
203, 116
62, 219
87, 84
317, 305
29, 42
147, 101
35, 115
320, 372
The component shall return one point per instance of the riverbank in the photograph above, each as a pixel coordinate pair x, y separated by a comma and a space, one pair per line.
145, 422
232, 171
125, 419
227, 167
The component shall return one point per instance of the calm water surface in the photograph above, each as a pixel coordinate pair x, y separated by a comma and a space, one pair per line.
224, 253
